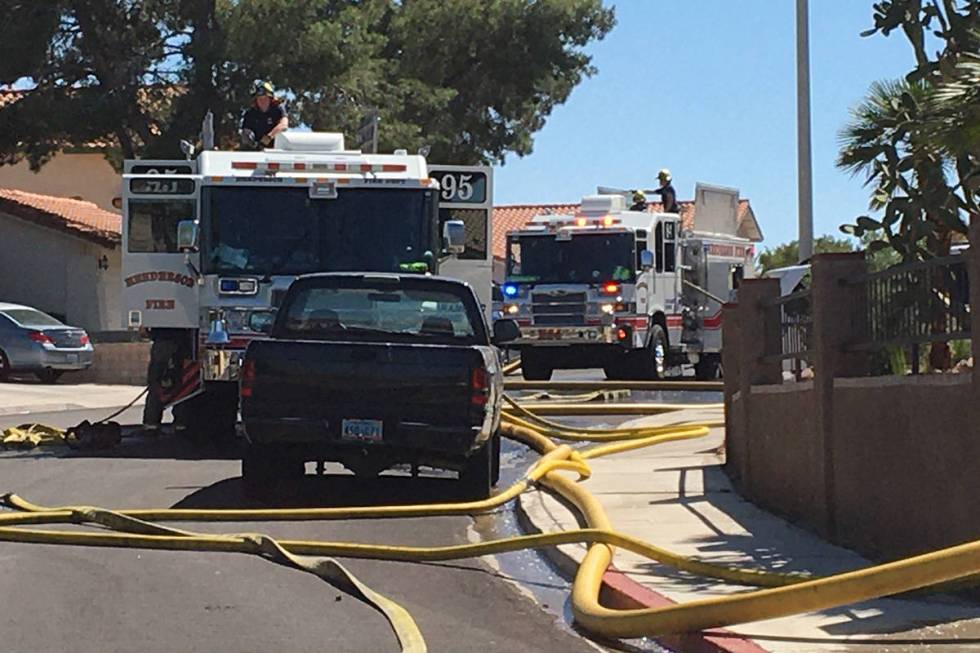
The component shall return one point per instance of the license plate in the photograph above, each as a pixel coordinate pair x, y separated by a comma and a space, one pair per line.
362, 430
72, 358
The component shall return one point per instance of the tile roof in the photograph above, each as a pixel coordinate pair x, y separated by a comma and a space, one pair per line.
78, 217
509, 218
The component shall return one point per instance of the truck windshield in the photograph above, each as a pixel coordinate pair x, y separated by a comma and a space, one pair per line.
359, 310
283, 231
585, 258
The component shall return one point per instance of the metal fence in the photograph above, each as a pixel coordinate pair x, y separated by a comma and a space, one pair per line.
915, 304
793, 313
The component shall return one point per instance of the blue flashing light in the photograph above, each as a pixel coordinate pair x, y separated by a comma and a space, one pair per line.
510, 290
229, 285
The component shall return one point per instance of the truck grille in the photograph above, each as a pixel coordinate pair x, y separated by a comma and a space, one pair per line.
65, 338
558, 308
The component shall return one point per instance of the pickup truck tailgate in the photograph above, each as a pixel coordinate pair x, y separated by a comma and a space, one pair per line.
311, 387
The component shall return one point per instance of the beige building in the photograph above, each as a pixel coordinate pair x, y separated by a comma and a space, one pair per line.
61, 256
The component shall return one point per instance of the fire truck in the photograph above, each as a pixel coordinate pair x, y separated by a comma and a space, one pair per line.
211, 243
631, 292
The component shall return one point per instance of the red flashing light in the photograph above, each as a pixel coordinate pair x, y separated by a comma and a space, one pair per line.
621, 334
607, 221
244, 165
40, 337
610, 288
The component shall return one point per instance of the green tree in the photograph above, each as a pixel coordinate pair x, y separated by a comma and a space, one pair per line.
788, 254
471, 80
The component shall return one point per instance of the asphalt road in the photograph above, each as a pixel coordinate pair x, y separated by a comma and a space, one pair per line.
80, 600
87, 600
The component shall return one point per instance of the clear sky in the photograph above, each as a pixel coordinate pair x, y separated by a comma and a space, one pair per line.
707, 88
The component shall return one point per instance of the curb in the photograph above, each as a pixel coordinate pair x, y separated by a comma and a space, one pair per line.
620, 592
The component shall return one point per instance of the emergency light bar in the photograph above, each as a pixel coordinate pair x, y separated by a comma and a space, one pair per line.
292, 166
581, 221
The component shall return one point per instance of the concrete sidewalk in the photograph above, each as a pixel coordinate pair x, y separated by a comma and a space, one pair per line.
23, 398
677, 497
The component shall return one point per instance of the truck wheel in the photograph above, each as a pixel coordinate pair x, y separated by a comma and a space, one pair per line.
476, 475
263, 468
707, 368
495, 459
535, 367
653, 365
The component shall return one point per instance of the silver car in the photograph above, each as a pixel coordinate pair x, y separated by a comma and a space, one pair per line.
35, 342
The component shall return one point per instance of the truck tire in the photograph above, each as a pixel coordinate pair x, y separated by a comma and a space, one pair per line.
651, 361
535, 367
495, 459
211, 416
707, 368
477, 474
264, 468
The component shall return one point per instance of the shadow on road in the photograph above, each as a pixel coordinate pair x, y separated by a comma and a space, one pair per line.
331, 491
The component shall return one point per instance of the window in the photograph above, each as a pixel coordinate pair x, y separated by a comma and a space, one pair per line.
355, 310
28, 317
666, 242
153, 224
641, 244
476, 230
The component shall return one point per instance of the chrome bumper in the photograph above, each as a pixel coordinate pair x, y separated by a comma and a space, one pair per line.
566, 335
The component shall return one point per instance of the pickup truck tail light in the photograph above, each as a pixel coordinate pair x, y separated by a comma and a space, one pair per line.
246, 378
479, 387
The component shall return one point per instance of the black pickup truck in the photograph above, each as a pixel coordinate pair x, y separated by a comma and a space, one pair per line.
373, 370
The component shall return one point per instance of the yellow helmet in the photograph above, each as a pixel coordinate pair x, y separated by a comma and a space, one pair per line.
664, 175
263, 88
638, 196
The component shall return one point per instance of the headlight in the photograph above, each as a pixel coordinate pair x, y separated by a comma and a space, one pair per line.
512, 309
608, 308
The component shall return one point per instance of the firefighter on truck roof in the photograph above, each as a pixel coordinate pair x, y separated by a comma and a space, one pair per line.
667, 193
265, 118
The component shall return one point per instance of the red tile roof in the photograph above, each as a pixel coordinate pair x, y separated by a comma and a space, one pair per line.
515, 216
78, 217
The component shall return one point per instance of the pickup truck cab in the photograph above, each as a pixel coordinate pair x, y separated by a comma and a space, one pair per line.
373, 370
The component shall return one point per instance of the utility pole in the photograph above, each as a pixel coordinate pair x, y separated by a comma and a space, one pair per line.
804, 160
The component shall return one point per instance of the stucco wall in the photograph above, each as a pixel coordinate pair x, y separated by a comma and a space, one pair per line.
59, 273
116, 363
88, 176
784, 460
907, 472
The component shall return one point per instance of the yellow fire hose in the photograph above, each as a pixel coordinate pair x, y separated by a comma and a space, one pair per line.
785, 594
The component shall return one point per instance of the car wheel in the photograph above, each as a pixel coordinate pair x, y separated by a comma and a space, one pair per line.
476, 475
535, 367
48, 375
4, 366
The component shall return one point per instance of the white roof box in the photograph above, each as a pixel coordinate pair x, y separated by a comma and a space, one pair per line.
603, 203
291, 141
716, 209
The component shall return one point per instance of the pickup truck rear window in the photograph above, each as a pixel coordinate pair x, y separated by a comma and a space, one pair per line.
379, 314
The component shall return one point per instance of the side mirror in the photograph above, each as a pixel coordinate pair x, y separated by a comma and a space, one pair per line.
454, 236
505, 331
187, 235
646, 259
261, 321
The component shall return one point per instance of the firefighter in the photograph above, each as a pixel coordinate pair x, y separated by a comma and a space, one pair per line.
666, 191
639, 201
265, 119
161, 375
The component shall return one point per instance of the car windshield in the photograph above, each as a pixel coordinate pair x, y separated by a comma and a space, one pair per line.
583, 258
381, 312
29, 317
284, 231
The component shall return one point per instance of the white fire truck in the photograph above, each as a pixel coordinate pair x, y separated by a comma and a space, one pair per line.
211, 244
631, 292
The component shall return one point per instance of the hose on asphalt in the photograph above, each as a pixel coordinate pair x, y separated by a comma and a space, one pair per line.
783, 594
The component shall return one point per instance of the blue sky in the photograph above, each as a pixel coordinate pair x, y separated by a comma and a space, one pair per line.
708, 89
